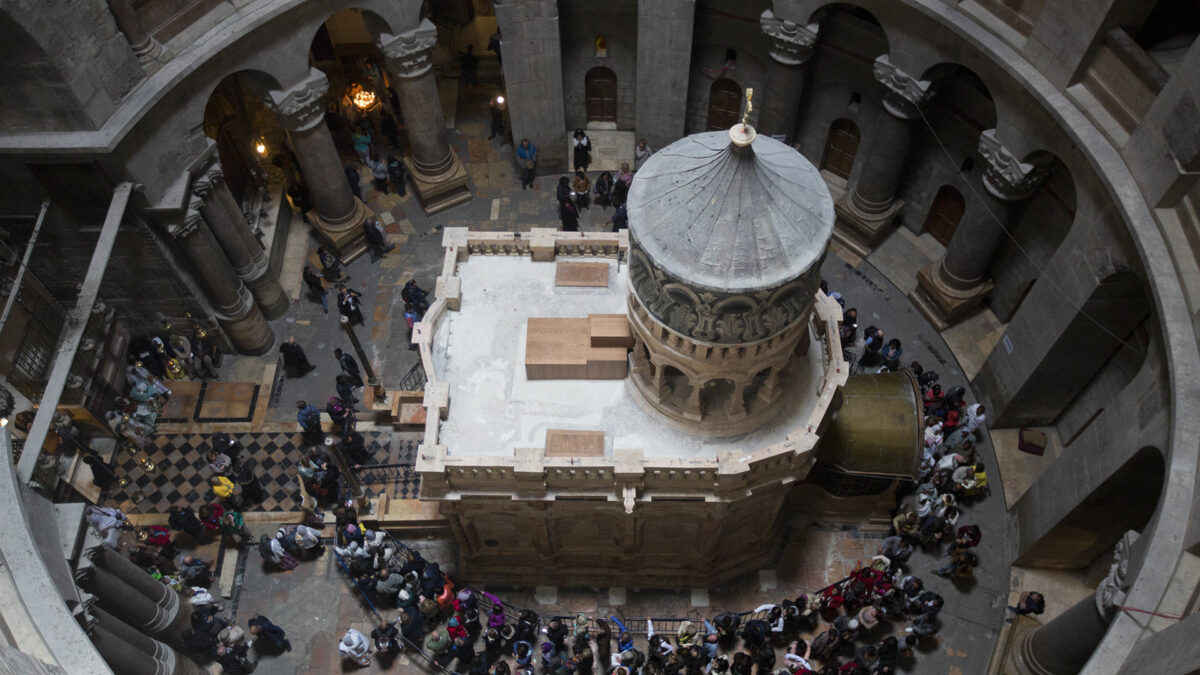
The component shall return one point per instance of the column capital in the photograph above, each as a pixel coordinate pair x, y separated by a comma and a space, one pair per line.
202, 186
791, 43
1110, 594
302, 106
190, 222
410, 54
1007, 177
905, 92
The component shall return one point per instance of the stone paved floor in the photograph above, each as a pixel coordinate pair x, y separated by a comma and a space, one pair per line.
314, 601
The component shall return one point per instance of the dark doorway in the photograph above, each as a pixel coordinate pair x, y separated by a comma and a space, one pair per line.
600, 85
724, 104
947, 210
840, 147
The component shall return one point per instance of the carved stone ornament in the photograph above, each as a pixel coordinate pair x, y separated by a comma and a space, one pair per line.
303, 106
1110, 594
905, 92
410, 54
1007, 177
723, 318
190, 223
791, 43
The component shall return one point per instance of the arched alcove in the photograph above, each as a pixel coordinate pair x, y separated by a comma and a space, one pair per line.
944, 214
250, 142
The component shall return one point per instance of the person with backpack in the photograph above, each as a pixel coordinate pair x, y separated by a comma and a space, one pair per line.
339, 414
309, 417
349, 367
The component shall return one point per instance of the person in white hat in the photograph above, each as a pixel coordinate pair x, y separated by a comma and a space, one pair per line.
356, 647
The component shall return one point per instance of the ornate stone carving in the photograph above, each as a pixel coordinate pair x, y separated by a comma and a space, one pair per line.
721, 318
791, 43
1110, 594
189, 224
905, 92
410, 54
303, 106
1007, 177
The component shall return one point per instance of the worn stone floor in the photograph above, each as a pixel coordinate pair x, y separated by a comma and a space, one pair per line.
316, 604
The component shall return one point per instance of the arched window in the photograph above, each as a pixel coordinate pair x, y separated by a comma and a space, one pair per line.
724, 104
840, 147
600, 87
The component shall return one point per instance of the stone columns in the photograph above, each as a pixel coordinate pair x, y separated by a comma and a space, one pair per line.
664, 57
232, 303
533, 78
693, 409
1064, 644
770, 389
951, 288
146, 48
871, 204
337, 215
791, 50
438, 177
129, 651
219, 210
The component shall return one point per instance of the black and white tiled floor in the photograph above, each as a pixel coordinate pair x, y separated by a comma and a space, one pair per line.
181, 474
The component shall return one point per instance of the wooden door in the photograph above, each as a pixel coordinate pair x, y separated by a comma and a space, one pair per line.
724, 105
948, 208
600, 86
840, 147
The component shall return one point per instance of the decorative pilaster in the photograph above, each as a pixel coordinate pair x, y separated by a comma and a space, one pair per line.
232, 303
871, 204
951, 288
438, 176
791, 48
664, 56
245, 252
336, 214
533, 76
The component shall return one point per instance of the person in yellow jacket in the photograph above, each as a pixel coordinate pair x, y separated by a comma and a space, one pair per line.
226, 491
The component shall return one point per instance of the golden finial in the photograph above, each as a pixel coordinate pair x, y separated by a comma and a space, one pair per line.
749, 106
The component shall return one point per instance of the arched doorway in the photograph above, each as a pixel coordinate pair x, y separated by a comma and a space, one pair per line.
600, 87
716, 395
948, 208
724, 104
840, 147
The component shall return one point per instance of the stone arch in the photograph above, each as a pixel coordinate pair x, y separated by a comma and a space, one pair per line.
754, 386
1083, 342
246, 132
677, 385
823, 13
345, 46
717, 396
1125, 501
36, 95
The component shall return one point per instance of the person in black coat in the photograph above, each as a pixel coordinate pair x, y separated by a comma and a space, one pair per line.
350, 305
570, 216
183, 518
262, 628
349, 367
295, 361
377, 243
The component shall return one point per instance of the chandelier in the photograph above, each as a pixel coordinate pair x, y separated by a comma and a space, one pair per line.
364, 99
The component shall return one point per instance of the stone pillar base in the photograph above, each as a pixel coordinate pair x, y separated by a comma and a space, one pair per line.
345, 239
861, 232
443, 190
944, 306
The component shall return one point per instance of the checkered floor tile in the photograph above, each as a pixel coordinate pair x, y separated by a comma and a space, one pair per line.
180, 475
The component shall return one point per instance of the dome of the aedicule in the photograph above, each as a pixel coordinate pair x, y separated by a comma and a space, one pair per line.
726, 219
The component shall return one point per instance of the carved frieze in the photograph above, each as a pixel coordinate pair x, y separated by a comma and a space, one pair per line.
1007, 177
303, 106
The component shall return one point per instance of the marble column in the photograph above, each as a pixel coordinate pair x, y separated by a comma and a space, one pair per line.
791, 50
127, 650
132, 606
664, 57
950, 289
337, 215
231, 301
245, 252
138, 579
870, 204
1065, 643
438, 176
145, 46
